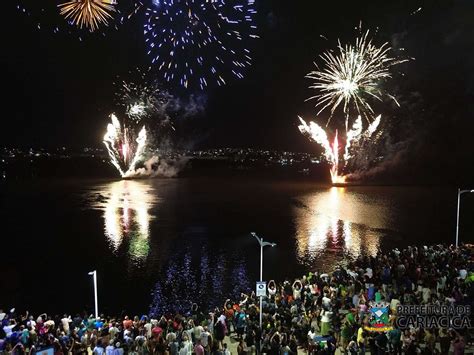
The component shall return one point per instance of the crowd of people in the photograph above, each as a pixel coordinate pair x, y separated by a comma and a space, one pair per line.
318, 314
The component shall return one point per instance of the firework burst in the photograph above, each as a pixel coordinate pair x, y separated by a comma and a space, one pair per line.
141, 97
196, 42
88, 13
352, 75
331, 149
75, 17
124, 151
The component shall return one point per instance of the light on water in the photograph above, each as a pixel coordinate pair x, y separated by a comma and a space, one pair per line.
126, 215
329, 222
137, 233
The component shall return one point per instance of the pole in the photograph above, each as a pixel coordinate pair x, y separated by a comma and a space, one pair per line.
94, 275
457, 218
261, 279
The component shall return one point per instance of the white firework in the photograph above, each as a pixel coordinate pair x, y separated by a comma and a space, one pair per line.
352, 75
123, 151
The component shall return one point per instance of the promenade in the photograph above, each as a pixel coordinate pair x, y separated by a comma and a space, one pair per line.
355, 308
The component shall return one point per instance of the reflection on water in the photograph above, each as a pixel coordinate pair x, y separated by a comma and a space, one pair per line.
194, 275
328, 223
126, 206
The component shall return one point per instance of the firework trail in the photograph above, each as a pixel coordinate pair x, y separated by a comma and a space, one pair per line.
352, 75
331, 150
124, 153
355, 137
196, 42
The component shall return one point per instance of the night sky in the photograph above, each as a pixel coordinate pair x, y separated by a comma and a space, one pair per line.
59, 91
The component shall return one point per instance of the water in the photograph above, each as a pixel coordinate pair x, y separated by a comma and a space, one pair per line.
163, 243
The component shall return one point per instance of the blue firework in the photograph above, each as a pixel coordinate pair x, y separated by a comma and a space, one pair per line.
197, 42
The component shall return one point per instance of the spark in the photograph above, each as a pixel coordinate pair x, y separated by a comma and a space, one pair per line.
196, 42
372, 127
351, 135
142, 97
88, 13
136, 110
123, 152
331, 150
351, 75
416, 11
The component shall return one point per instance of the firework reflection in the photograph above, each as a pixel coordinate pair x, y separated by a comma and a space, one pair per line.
330, 223
126, 207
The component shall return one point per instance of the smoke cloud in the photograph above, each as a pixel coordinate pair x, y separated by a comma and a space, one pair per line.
160, 167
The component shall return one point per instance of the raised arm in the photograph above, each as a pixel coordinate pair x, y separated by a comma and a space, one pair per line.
246, 298
297, 282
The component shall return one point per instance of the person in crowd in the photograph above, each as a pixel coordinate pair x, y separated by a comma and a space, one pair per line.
318, 312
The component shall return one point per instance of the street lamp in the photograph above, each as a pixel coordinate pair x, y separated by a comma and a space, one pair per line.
94, 275
262, 245
460, 192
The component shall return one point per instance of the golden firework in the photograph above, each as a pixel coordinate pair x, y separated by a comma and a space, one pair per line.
88, 13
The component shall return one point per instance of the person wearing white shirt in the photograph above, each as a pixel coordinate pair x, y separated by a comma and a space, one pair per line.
441, 283
205, 338
8, 329
355, 300
297, 286
148, 327
226, 350
65, 323
183, 350
171, 337
326, 319
326, 301
426, 294
271, 288
198, 332
369, 272
311, 335
188, 344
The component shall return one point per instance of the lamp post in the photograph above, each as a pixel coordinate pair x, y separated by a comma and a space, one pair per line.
262, 245
94, 275
460, 192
